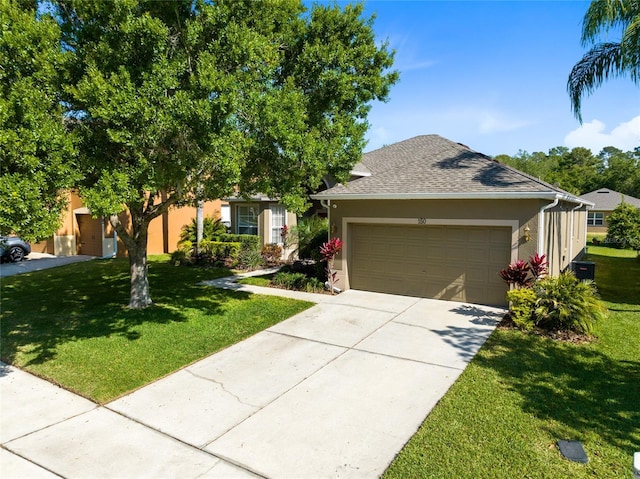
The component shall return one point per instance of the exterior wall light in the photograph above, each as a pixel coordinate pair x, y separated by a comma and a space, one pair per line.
527, 233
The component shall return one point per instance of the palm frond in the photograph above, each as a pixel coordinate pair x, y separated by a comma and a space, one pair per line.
604, 15
630, 47
603, 61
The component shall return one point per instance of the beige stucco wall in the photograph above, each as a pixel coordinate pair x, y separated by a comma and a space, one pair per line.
518, 214
564, 238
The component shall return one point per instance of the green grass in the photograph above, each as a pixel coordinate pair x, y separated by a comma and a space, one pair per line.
257, 280
522, 393
71, 324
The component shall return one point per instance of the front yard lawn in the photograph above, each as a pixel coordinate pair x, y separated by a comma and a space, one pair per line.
522, 393
71, 324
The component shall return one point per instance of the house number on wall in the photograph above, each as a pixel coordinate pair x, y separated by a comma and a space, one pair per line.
422, 221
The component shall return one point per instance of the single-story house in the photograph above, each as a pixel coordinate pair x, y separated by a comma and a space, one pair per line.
262, 216
605, 201
81, 233
433, 218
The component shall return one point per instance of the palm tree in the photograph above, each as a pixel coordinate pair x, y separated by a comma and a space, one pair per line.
607, 59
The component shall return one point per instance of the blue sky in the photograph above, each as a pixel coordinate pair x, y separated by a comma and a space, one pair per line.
492, 75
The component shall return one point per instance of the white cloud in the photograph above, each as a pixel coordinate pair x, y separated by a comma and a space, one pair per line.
484, 121
592, 135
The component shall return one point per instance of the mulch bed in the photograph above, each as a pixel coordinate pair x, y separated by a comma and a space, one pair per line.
563, 336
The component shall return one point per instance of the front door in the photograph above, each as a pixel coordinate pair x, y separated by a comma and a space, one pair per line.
90, 240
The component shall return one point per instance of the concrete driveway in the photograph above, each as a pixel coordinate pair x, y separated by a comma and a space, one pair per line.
39, 261
335, 391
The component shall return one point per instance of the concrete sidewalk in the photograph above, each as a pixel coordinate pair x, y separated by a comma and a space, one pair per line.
335, 391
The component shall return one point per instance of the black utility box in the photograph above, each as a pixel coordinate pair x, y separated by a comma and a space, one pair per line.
584, 269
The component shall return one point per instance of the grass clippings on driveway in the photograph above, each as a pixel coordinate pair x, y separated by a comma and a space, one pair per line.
71, 324
522, 393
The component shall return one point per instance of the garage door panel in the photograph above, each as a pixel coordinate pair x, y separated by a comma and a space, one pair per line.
446, 262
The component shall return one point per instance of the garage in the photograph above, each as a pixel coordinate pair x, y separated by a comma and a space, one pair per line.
458, 263
429, 217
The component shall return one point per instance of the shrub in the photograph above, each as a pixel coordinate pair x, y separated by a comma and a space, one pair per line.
180, 257
271, 253
329, 251
565, 303
311, 269
247, 241
297, 282
516, 273
250, 259
218, 251
211, 227
522, 303
624, 227
309, 234
522, 274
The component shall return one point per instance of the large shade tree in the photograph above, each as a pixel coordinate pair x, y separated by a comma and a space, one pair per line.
182, 101
35, 147
606, 59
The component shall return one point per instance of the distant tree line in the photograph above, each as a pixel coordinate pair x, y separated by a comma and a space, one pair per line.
579, 171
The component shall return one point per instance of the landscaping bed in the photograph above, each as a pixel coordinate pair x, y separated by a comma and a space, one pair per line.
297, 276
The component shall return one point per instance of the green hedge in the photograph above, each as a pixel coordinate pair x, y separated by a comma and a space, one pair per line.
219, 250
247, 241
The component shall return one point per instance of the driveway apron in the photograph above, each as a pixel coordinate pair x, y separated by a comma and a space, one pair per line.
335, 391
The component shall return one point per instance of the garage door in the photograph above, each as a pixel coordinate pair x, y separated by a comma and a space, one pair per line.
458, 263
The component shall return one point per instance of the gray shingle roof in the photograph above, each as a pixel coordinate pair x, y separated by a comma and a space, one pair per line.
607, 200
433, 165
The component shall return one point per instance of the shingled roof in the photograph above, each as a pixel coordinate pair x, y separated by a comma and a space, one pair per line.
430, 166
607, 200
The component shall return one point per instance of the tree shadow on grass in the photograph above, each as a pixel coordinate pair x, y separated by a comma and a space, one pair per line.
575, 388
46, 309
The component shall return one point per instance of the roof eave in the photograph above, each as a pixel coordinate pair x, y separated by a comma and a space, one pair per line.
498, 195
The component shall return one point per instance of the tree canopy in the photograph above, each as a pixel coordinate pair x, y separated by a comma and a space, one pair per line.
606, 59
175, 102
36, 151
579, 171
624, 226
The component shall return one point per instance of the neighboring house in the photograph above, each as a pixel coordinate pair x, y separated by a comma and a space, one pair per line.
80, 233
436, 219
605, 201
262, 216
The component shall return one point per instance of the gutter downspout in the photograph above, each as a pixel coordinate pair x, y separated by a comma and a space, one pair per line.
541, 226
573, 213
326, 204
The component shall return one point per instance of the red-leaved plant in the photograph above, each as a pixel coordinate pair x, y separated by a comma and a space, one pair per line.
329, 250
522, 274
516, 273
539, 266
284, 236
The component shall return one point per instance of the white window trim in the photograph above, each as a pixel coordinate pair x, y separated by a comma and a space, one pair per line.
595, 218
278, 238
248, 205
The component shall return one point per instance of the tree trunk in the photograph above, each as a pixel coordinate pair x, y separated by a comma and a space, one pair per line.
136, 243
199, 225
140, 296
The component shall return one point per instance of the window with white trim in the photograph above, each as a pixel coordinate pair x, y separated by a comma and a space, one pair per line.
595, 218
278, 220
248, 219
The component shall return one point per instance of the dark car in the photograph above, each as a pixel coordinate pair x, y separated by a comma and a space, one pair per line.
13, 249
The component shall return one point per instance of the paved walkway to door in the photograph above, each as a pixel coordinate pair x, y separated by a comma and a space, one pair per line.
335, 391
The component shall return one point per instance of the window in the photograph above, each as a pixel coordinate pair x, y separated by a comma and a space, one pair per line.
595, 218
278, 220
248, 219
